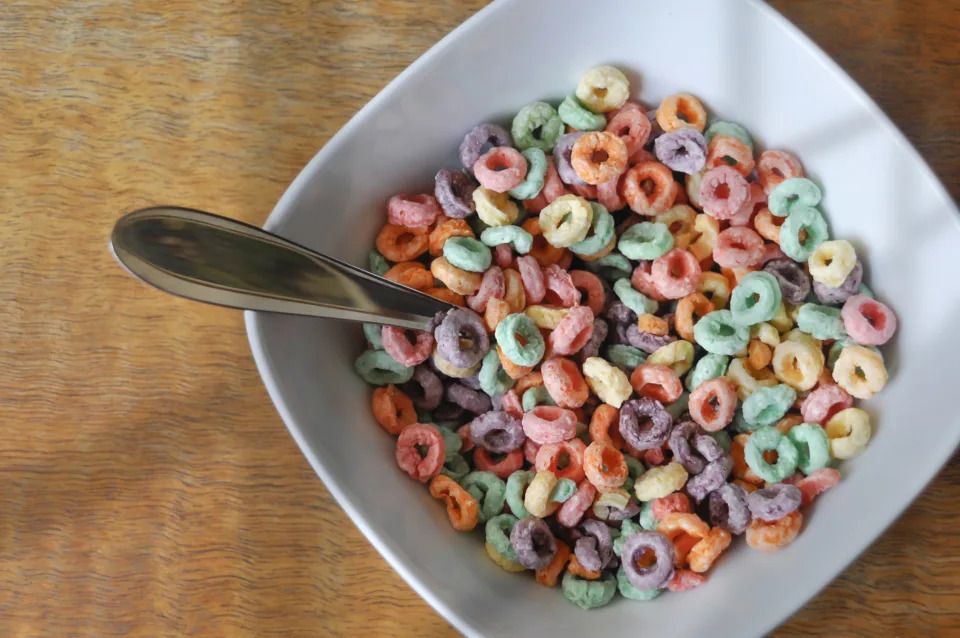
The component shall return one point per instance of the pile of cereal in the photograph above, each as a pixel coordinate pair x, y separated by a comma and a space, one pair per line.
657, 348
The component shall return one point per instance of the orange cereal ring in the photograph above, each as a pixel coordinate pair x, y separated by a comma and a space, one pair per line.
758, 354
497, 310
773, 167
653, 324
749, 487
605, 426
649, 188
550, 574
544, 252
462, 509
399, 243
704, 553
599, 157
771, 536
531, 380
462, 282
788, 422
767, 225
412, 274
574, 567
445, 294
741, 470
656, 381
514, 294
499, 464
513, 370
689, 310
393, 409
684, 531
604, 466
445, 230
564, 382
725, 150
592, 288
568, 454
681, 111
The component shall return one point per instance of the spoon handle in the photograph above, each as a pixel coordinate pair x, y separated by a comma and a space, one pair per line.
221, 261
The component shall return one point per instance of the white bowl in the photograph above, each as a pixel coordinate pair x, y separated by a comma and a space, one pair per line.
747, 64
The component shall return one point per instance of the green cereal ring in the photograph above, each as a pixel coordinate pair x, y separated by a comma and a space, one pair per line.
516, 486
629, 591
537, 395
455, 467
588, 594
767, 405
717, 333
506, 334
823, 322
564, 489
373, 332
493, 378
842, 343
739, 424
729, 129
793, 194
575, 115
489, 491
756, 299
679, 406
863, 290
376, 367
770, 438
633, 298
467, 253
646, 240
601, 229
627, 529
497, 531
810, 221
536, 172
625, 356
723, 439
521, 240
378, 263
812, 444
646, 518
611, 267
710, 366
537, 116
424, 416
451, 441
477, 225
635, 468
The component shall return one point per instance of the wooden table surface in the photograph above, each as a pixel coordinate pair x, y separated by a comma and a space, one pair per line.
147, 487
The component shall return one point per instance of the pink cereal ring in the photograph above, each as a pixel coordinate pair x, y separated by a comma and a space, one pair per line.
867, 321
738, 247
744, 216
408, 457
573, 331
816, 483
418, 211
492, 285
536, 204
608, 194
773, 167
589, 284
566, 259
577, 505
398, 346
713, 403
631, 124
586, 191
722, 192
641, 156
771, 252
676, 274
530, 451
511, 404
642, 280
503, 255
501, 467
564, 382
553, 186
549, 424
652, 457
656, 381
685, 580
532, 277
500, 169
560, 288
824, 402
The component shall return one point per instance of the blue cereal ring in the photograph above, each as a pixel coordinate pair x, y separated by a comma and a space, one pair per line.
531, 186
718, 333
792, 194
756, 299
822, 322
506, 334
646, 240
812, 223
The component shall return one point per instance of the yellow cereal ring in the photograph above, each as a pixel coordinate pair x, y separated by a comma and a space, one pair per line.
449, 369
547, 317
678, 355
849, 432
500, 560
743, 379
608, 382
462, 282
860, 372
832, 262
709, 228
716, 288
617, 497
766, 333
782, 321
566, 220
537, 499
494, 209
660, 481
603, 89
680, 221
802, 337
797, 364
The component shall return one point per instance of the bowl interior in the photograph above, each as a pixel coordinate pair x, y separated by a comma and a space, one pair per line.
878, 194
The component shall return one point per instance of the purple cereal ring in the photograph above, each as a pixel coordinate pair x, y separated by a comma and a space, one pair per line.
792, 277
644, 423
774, 502
474, 142
492, 285
850, 286
728, 508
594, 549
713, 476
472, 382
683, 150
619, 312
592, 347
454, 191
561, 155
497, 432
656, 575
533, 543
683, 453
621, 514
707, 446
457, 327
430, 391
447, 412
474, 401
646, 341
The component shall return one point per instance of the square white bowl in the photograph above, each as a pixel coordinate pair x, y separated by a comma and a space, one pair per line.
747, 64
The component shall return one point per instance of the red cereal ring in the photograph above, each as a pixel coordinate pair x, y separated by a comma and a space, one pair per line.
631, 124
502, 465
572, 333
467, 443
685, 580
500, 169
398, 346
605, 426
566, 260
586, 191
559, 285
493, 285
549, 424
773, 167
510, 401
564, 382
577, 505
590, 284
393, 409
676, 273
418, 211
656, 381
641, 156
564, 459
676, 502
604, 466
422, 468
738, 247
816, 483
712, 404
642, 280
598, 156
825, 401
725, 150
503, 255
723, 192
649, 188
553, 186
652, 457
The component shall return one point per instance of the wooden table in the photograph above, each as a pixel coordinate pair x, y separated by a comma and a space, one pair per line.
147, 487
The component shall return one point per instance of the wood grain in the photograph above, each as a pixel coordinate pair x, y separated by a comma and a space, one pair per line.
147, 487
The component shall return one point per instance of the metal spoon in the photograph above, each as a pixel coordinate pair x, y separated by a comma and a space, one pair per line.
221, 261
